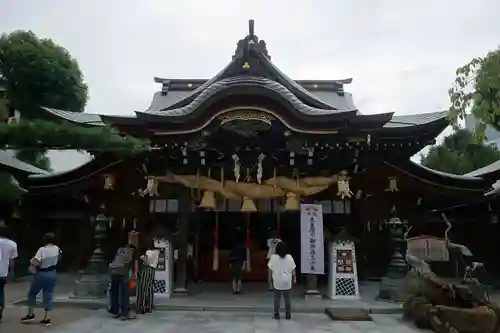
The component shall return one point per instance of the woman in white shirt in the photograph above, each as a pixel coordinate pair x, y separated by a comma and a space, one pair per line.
145, 292
282, 267
272, 241
43, 265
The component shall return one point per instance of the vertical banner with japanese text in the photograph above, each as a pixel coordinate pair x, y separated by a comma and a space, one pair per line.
312, 252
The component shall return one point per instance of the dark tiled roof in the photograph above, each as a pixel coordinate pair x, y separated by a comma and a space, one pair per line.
398, 122
81, 118
415, 119
444, 179
161, 101
178, 91
7, 159
248, 81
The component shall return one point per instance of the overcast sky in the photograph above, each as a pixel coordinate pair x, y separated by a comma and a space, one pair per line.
401, 54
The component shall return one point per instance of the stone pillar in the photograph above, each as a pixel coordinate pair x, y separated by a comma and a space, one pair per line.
94, 281
182, 241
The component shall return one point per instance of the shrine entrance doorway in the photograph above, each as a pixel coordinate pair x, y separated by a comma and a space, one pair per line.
249, 230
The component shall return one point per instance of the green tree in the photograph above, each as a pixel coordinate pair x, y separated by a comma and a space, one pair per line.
459, 153
477, 89
36, 72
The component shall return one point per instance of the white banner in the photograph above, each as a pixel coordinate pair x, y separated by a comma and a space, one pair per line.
312, 253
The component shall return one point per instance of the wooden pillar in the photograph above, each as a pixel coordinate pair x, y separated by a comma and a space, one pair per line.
184, 214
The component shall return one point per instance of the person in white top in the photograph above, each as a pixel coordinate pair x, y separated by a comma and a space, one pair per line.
272, 241
145, 291
44, 267
282, 267
8, 252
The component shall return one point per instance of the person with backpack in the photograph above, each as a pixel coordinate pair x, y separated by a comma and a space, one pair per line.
123, 262
282, 267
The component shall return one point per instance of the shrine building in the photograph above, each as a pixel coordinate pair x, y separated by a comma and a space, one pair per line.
231, 160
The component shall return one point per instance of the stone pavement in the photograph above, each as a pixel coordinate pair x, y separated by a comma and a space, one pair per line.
17, 291
217, 297
196, 322
62, 316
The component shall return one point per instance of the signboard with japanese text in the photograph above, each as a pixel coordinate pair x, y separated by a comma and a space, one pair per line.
312, 252
344, 261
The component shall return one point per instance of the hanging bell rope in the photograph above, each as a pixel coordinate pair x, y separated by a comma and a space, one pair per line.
278, 224
215, 259
248, 254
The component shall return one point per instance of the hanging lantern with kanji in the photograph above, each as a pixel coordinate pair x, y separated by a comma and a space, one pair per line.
393, 185
151, 188
343, 188
109, 182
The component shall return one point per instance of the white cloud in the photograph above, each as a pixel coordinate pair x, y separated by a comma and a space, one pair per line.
402, 55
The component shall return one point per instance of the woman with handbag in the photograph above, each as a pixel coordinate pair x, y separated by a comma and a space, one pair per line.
43, 266
145, 290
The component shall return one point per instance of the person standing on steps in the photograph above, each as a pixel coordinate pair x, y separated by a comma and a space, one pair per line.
8, 252
44, 267
237, 259
282, 267
272, 241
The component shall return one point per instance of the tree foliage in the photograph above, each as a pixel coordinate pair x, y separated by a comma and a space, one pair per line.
37, 72
42, 134
460, 153
477, 89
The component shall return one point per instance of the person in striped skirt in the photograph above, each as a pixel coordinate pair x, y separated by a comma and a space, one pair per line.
145, 293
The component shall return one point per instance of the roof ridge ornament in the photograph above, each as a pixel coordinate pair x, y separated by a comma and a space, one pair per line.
251, 27
251, 43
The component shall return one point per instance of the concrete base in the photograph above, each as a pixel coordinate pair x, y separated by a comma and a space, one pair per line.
180, 292
391, 290
91, 287
312, 294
